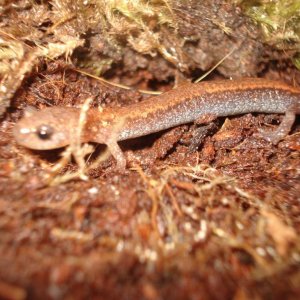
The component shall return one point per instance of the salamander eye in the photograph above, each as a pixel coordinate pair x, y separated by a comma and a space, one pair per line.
44, 132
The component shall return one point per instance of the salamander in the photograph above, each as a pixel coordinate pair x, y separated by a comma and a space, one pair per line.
53, 127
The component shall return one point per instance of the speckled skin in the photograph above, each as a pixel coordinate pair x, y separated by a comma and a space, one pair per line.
200, 102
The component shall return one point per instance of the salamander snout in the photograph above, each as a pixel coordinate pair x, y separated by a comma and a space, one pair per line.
44, 130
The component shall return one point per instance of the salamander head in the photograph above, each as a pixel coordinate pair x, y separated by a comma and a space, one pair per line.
47, 129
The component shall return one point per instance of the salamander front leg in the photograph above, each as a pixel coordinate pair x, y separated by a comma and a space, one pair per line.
117, 153
282, 130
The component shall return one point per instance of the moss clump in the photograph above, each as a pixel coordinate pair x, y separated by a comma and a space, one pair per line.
279, 20
101, 28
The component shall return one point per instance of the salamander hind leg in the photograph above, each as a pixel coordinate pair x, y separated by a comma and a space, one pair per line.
283, 129
117, 153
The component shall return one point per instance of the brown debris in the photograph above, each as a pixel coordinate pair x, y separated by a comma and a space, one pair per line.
284, 236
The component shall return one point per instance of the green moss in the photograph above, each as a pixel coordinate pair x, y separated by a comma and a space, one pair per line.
139, 23
279, 21
296, 61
